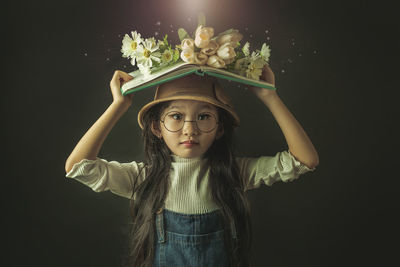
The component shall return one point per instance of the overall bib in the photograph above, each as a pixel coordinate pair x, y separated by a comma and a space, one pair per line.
190, 240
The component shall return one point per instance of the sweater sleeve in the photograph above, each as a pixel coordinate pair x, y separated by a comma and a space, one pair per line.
268, 170
102, 175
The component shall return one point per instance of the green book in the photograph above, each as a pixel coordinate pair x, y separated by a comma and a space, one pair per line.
140, 82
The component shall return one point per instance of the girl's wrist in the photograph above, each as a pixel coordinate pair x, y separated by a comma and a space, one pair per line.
269, 98
120, 105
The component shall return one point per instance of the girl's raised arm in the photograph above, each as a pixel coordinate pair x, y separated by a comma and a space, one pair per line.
298, 141
90, 144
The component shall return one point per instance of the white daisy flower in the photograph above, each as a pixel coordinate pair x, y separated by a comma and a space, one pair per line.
245, 49
265, 52
254, 69
254, 56
131, 45
148, 52
160, 43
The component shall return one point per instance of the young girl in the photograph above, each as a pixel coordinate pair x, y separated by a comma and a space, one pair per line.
188, 201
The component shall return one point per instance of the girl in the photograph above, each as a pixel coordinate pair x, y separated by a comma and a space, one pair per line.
188, 202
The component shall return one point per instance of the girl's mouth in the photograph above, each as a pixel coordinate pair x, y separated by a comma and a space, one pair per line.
189, 143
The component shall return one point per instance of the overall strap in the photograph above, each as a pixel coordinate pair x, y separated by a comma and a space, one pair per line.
160, 225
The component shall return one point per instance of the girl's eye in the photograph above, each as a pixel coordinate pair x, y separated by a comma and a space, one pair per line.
203, 117
175, 116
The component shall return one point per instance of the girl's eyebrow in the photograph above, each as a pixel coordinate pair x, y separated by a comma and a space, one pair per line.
205, 106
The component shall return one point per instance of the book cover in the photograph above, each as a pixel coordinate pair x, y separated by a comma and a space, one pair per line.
140, 82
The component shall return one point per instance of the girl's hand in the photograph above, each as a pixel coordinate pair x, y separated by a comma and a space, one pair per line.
268, 76
117, 81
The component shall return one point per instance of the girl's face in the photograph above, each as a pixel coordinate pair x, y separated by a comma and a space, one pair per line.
189, 141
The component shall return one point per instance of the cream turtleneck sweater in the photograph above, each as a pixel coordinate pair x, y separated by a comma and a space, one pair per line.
189, 191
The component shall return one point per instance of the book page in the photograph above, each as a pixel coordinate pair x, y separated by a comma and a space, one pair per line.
139, 79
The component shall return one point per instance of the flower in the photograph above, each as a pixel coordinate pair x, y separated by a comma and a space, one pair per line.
245, 49
187, 55
232, 37
152, 55
265, 52
226, 51
167, 56
203, 36
254, 69
211, 48
130, 46
241, 66
229, 60
216, 62
187, 43
200, 58
240, 63
145, 70
148, 52
254, 55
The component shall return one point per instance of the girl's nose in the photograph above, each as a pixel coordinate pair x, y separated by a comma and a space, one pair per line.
190, 128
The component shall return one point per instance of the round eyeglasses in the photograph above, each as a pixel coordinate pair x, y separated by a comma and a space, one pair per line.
174, 121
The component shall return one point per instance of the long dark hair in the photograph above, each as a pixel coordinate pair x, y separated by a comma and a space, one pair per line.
227, 188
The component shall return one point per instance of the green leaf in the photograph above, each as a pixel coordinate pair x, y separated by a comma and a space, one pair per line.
165, 40
182, 34
176, 55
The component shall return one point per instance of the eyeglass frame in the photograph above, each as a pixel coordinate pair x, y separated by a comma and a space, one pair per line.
183, 124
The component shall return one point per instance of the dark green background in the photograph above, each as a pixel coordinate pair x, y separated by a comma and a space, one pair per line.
344, 96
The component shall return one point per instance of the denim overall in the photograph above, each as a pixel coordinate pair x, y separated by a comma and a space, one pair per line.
190, 240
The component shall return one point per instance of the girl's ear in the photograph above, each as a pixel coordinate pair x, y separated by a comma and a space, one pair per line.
155, 129
220, 132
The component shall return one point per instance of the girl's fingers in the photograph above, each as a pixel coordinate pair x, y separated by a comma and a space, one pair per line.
125, 76
268, 75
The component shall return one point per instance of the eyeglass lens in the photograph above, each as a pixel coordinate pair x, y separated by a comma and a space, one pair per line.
174, 121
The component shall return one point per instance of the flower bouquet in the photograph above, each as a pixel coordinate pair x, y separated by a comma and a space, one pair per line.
220, 56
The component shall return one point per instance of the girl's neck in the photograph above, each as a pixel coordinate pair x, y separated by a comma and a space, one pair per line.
176, 158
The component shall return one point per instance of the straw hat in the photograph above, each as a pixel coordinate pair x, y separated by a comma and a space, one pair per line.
191, 87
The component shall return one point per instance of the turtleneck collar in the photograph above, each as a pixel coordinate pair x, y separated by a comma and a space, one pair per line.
176, 158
